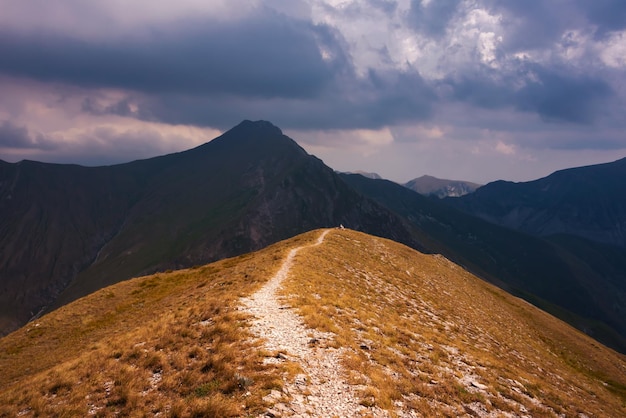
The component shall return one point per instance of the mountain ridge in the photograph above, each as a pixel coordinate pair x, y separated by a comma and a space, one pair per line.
584, 201
415, 334
441, 188
69, 231
250, 187
553, 275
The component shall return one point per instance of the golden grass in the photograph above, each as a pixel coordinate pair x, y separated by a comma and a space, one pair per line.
419, 334
172, 344
424, 334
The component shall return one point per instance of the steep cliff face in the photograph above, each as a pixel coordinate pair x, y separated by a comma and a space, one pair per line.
589, 202
69, 230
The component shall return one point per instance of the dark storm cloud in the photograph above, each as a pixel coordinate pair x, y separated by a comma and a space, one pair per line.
301, 75
561, 97
533, 23
384, 5
432, 19
355, 103
121, 108
555, 96
540, 23
609, 15
18, 137
265, 56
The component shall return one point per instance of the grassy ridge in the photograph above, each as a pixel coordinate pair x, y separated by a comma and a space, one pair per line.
420, 330
421, 334
554, 274
171, 343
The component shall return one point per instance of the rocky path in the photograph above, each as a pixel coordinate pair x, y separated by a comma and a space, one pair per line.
321, 390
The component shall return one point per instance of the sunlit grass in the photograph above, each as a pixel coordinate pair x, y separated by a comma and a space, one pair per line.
423, 333
172, 344
418, 333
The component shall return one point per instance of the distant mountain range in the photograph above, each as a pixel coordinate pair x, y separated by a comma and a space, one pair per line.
588, 202
375, 176
66, 230
432, 186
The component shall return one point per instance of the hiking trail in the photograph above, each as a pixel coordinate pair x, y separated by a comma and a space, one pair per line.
321, 391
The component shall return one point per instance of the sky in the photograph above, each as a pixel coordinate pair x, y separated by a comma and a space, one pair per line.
476, 90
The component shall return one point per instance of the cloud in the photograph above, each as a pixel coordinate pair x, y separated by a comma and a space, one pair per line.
506, 149
612, 51
363, 141
97, 140
265, 55
112, 143
18, 137
561, 97
373, 102
431, 17
551, 93
112, 80
539, 24
386, 6
533, 23
608, 15
118, 19
215, 72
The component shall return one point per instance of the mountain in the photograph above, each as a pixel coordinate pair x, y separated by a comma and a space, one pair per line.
366, 174
580, 282
588, 202
428, 185
413, 335
67, 230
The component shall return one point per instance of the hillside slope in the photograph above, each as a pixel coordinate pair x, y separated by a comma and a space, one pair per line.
579, 282
588, 202
66, 231
53, 221
418, 336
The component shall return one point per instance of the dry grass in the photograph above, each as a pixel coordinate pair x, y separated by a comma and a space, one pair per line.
421, 335
172, 344
425, 335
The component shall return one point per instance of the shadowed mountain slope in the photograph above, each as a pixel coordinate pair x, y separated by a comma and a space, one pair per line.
589, 202
429, 185
579, 282
66, 230
417, 336
53, 221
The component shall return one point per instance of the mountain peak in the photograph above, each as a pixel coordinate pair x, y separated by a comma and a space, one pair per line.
429, 185
258, 126
251, 133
